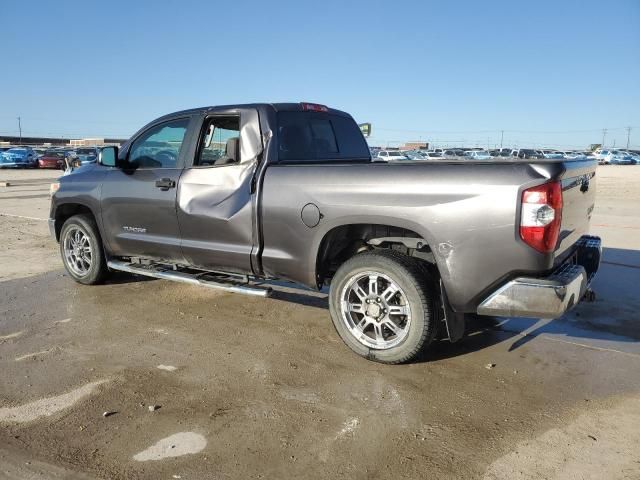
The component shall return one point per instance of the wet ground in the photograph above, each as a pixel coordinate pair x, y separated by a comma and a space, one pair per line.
197, 384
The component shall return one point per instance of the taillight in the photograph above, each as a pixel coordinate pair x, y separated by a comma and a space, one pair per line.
314, 107
541, 215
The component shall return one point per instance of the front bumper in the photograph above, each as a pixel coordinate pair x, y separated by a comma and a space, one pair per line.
551, 296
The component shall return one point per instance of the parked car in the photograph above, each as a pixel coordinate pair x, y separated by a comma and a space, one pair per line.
617, 157
39, 151
391, 155
634, 156
575, 156
500, 152
601, 155
551, 154
87, 155
19, 157
526, 153
52, 159
450, 153
478, 154
415, 155
392, 241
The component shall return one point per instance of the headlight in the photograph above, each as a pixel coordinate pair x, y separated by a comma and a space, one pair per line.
54, 188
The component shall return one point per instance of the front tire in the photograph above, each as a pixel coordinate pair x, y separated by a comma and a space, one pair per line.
81, 250
383, 306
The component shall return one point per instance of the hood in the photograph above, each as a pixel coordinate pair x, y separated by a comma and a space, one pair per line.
16, 156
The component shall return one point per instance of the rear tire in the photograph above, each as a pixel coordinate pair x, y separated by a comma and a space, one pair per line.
384, 306
81, 250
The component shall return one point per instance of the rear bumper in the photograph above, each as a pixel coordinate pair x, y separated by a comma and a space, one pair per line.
551, 296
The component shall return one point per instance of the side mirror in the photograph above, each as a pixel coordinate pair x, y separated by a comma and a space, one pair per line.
108, 156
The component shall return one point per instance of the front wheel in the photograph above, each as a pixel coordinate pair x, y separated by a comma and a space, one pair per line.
81, 250
383, 305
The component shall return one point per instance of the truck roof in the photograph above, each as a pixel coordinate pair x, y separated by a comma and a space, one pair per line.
278, 107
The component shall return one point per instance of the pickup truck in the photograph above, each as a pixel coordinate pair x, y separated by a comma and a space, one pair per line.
236, 196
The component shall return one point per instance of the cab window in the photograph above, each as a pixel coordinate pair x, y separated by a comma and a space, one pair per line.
159, 147
220, 142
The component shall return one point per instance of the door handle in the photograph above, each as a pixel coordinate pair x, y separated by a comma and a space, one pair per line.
165, 184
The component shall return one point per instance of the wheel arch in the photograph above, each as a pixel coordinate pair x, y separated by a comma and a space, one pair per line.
64, 211
338, 242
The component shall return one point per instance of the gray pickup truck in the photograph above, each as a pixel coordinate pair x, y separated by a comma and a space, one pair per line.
234, 196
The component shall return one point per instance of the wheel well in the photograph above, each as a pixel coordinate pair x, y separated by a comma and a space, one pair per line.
68, 210
345, 241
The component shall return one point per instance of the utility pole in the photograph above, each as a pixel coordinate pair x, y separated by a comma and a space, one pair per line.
20, 130
604, 134
628, 136
501, 138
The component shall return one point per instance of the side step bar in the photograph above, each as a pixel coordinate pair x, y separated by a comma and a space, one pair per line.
176, 276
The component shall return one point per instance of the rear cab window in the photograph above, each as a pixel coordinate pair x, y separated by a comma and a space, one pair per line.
308, 137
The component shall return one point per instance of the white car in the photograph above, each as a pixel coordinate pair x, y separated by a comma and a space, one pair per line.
390, 156
478, 154
601, 155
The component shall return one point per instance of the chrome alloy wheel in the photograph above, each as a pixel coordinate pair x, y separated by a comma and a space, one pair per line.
77, 251
375, 310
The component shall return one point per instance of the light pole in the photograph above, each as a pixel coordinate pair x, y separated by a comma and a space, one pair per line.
628, 136
20, 130
501, 138
604, 134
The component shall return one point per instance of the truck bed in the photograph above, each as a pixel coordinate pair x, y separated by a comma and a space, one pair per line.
468, 211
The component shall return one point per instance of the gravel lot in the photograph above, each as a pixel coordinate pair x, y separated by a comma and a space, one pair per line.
241, 387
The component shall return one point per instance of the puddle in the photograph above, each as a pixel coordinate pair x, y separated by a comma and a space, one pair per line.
183, 443
47, 406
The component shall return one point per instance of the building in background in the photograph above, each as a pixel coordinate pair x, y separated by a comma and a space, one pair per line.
415, 146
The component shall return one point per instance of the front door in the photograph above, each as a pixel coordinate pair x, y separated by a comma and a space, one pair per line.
139, 199
216, 205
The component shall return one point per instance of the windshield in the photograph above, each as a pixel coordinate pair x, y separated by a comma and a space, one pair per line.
17, 150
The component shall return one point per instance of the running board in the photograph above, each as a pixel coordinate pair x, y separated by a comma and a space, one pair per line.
176, 276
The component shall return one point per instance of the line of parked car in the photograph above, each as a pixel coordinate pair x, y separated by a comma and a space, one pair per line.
603, 156
40, 157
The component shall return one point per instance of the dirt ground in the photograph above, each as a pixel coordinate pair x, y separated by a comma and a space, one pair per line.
241, 387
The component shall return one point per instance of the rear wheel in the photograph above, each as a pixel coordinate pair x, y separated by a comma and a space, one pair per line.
383, 306
81, 250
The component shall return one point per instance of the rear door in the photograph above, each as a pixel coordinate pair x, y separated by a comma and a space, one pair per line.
216, 198
139, 199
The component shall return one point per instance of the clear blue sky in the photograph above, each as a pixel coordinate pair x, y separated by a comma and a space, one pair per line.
552, 72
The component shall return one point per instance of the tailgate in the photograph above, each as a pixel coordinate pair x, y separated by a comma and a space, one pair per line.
578, 200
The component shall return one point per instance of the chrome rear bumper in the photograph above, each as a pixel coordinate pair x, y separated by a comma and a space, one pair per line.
548, 297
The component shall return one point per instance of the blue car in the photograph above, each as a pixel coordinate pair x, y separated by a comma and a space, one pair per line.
19, 157
87, 155
620, 158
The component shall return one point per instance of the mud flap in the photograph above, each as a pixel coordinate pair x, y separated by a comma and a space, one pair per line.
454, 321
